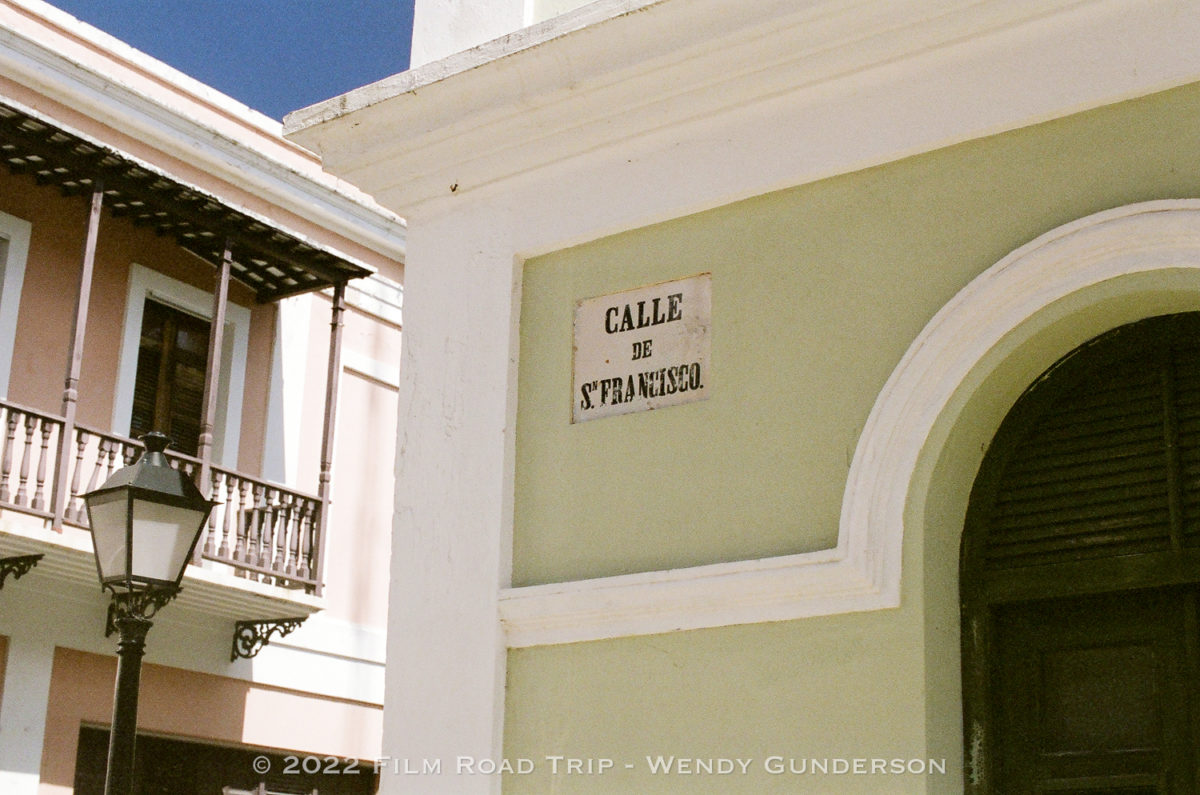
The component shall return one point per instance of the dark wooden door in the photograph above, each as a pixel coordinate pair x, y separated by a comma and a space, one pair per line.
1093, 694
178, 766
1081, 573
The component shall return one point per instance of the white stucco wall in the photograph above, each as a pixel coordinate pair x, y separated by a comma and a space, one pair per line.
444, 27
605, 131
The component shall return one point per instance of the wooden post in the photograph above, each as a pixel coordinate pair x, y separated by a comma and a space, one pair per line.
333, 376
208, 408
216, 334
70, 401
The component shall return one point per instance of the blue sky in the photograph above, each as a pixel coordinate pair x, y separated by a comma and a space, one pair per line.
274, 55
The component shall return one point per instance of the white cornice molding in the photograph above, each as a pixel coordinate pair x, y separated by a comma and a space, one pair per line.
113, 49
785, 92
131, 92
427, 74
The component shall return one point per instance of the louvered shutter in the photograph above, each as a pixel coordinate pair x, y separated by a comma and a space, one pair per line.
169, 388
1100, 459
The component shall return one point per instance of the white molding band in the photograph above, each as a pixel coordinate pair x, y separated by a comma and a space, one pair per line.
84, 68
376, 295
325, 655
1149, 249
938, 73
385, 373
743, 592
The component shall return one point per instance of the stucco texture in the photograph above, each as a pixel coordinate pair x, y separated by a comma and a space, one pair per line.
817, 293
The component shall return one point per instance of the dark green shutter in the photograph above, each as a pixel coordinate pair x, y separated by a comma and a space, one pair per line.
1100, 459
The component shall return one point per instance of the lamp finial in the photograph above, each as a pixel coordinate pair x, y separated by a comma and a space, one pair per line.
155, 441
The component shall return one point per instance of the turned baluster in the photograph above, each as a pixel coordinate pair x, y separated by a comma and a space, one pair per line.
210, 546
109, 448
26, 461
39, 492
254, 532
103, 452
74, 509
243, 527
303, 523
267, 541
6, 464
232, 510
299, 507
280, 565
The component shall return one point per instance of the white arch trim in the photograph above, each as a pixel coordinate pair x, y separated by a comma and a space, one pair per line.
1096, 273
1099, 272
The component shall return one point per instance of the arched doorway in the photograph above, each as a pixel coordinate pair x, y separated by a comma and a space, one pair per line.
1080, 575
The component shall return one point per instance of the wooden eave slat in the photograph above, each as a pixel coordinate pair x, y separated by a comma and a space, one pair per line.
270, 261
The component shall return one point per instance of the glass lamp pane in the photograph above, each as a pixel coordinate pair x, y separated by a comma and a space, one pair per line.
107, 515
162, 539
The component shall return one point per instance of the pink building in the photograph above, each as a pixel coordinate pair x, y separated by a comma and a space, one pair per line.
131, 195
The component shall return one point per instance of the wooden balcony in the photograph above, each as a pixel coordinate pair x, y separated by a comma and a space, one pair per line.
259, 531
261, 555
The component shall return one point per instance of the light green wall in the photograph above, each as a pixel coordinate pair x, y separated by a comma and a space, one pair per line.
840, 687
817, 293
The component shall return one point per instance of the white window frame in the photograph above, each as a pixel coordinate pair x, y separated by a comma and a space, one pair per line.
145, 283
14, 252
285, 400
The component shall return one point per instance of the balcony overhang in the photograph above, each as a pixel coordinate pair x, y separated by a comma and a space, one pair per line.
68, 560
273, 262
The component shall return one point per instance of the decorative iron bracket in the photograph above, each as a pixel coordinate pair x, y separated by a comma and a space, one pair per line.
250, 636
139, 604
17, 566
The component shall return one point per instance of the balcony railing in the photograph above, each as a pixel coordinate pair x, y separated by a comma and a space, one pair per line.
261, 531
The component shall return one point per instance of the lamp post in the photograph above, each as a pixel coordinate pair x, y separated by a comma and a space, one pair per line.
145, 521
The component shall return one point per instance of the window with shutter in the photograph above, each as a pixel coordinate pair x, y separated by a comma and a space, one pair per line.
169, 386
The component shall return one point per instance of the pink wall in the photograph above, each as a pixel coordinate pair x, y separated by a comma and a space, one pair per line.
358, 549
360, 527
186, 172
218, 709
48, 305
356, 573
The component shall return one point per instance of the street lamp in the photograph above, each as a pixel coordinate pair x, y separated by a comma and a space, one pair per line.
145, 522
